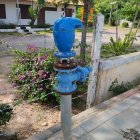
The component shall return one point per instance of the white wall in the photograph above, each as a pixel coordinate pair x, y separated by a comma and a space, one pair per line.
52, 16
11, 15
10, 12
125, 68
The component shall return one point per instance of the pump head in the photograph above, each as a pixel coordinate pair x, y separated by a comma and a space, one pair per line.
64, 36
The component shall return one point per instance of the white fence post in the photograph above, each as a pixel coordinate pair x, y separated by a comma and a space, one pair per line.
95, 58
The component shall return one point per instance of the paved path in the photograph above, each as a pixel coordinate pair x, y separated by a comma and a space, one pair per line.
123, 112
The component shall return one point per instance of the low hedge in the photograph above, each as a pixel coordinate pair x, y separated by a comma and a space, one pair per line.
5, 113
125, 24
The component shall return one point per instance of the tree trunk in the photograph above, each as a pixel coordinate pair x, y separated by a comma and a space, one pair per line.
32, 21
65, 7
84, 32
138, 26
117, 22
134, 20
110, 17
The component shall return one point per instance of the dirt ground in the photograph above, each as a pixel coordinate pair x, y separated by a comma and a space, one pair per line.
27, 119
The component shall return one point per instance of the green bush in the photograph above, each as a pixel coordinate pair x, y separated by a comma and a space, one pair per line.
119, 47
113, 22
7, 25
135, 24
117, 88
5, 113
41, 26
125, 24
131, 134
32, 72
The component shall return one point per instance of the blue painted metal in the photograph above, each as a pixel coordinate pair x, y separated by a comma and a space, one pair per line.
64, 36
66, 79
69, 54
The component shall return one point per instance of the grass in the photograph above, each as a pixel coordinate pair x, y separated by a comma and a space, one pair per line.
10, 33
89, 30
44, 32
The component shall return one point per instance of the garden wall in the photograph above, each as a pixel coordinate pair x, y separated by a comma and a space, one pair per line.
125, 68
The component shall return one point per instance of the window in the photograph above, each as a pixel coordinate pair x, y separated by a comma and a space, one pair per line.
24, 10
50, 8
2, 11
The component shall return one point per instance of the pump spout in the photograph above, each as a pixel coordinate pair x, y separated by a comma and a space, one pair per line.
64, 36
66, 79
72, 23
76, 23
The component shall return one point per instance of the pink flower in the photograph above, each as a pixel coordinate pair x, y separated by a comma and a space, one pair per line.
29, 74
22, 77
41, 58
31, 48
14, 84
36, 66
35, 79
40, 72
41, 89
44, 76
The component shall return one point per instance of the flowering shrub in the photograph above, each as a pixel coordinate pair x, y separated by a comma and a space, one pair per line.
32, 72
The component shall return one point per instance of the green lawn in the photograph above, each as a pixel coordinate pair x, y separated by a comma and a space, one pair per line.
44, 32
10, 33
89, 30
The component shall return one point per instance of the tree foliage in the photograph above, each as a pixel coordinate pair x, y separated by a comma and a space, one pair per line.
102, 7
35, 9
127, 8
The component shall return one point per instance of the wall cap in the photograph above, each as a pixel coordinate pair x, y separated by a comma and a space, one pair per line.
118, 60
